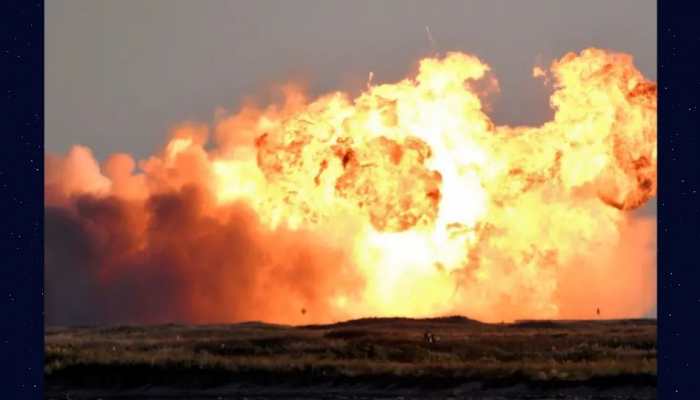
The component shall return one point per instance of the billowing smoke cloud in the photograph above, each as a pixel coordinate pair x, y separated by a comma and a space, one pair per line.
109, 260
406, 200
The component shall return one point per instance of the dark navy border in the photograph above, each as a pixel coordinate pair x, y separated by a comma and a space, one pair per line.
21, 197
679, 200
21, 194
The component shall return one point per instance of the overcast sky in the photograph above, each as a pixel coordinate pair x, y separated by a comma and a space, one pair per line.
120, 73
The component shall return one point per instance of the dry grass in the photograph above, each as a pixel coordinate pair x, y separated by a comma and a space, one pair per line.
366, 349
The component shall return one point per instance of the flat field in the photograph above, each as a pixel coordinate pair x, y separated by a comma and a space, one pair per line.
385, 358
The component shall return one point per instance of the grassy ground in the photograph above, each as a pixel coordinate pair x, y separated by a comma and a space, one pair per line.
607, 353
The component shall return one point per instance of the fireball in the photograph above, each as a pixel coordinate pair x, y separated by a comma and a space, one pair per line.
405, 200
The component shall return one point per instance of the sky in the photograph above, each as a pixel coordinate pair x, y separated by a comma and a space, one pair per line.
119, 74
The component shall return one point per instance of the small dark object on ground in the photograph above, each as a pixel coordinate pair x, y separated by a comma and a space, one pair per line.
428, 337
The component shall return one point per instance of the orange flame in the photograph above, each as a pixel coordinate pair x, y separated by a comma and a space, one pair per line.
438, 209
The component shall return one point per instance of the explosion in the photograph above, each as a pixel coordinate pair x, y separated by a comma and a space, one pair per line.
406, 200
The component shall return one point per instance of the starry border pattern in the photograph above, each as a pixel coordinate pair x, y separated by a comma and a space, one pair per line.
21, 193
678, 201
